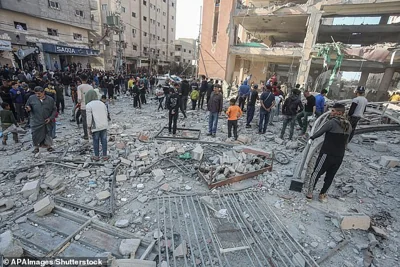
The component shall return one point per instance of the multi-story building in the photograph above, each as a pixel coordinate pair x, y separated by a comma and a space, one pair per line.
48, 33
263, 37
185, 51
148, 32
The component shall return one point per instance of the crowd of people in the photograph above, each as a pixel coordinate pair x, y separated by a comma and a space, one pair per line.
34, 100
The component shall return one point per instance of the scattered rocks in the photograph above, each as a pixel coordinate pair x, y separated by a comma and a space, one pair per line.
30, 188
83, 174
140, 186
128, 247
6, 204
121, 178
20, 176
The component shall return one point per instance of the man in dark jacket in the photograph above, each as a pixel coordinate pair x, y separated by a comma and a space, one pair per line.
184, 94
243, 94
59, 97
203, 90
214, 106
337, 131
210, 89
251, 105
172, 104
290, 109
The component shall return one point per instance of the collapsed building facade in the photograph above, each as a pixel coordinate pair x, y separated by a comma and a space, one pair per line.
303, 42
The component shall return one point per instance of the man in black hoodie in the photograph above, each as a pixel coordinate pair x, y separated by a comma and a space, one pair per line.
203, 90
184, 94
290, 109
172, 104
337, 132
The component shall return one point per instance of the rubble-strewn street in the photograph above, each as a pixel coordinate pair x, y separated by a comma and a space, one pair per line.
146, 179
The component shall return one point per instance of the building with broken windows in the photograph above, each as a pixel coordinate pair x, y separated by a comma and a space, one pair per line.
314, 43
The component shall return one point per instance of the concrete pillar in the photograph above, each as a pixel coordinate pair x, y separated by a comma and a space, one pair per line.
363, 78
230, 68
309, 42
241, 71
382, 93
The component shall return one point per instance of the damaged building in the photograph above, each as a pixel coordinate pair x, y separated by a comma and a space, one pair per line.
311, 43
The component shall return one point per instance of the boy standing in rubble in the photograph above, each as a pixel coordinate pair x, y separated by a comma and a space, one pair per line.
337, 131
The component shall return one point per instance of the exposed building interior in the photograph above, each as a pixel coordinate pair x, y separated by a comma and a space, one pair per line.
331, 44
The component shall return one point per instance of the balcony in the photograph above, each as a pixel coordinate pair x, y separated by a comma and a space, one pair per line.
178, 53
93, 5
271, 9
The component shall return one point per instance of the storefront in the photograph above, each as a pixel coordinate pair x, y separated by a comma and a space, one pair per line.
58, 56
5, 53
10, 43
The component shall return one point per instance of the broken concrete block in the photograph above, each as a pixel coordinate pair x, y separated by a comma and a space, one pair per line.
53, 182
380, 146
33, 175
121, 178
21, 219
128, 247
143, 199
9, 247
44, 206
30, 188
6, 204
197, 153
143, 154
157, 234
372, 240
164, 264
132, 173
83, 174
279, 141
122, 223
292, 145
299, 260
374, 166
369, 137
380, 232
142, 137
140, 186
355, 221
389, 162
165, 187
20, 176
158, 173
126, 162
169, 150
181, 250
244, 139
103, 195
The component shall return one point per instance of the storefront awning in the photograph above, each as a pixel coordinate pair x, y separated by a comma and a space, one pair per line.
69, 50
5, 45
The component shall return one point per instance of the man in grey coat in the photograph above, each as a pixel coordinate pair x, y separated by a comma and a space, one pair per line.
42, 111
214, 106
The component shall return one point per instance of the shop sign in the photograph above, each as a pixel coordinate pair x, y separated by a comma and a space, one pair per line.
5, 45
67, 50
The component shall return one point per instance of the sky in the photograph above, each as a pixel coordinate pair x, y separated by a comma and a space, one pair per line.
188, 18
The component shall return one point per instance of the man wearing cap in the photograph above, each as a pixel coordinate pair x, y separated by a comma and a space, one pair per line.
337, 131
357, 109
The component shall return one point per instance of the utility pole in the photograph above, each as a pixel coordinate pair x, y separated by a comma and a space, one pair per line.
119, 28
198, 44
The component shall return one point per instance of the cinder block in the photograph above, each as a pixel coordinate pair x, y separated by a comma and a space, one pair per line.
197, 153
44, 206
389, 162
369, 137
126, 161
30, 188
355, 221
380, 146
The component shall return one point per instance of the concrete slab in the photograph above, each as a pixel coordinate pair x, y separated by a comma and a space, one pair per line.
30, 188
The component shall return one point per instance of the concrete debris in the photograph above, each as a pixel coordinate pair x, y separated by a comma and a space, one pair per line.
372, 240
368, 137
337, 237
389, 161
44, 206
128, 247
380, 146
158, 173
292, 145
142, 199
188, 188
103, 195
165, 187
140, 186
53, 182
122, 223
158, 234
9, 247
181, 251
133, 263
6, 204
21, 219
164, 264
121, 178
355, 221
83, 174
20, 176
30, 188
380, 232
126, 162
244, 139
197, 153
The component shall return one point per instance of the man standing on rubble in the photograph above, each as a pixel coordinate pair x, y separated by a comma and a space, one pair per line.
81, 92
337, 131
357, 109
251, 105
214, 106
